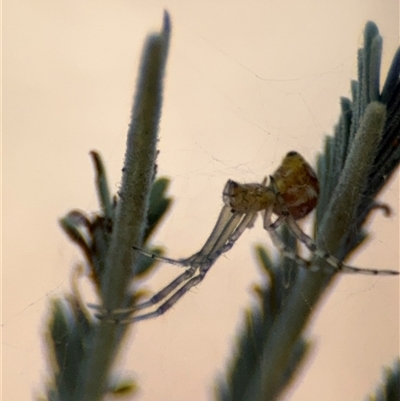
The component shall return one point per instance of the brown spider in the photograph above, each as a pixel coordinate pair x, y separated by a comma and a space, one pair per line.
292, 194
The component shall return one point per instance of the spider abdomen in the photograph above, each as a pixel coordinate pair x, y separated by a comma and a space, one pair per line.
298, 185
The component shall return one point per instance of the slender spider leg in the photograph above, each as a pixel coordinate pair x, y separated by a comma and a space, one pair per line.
335, 263
225, 244
225, 219
225, 225
223, 237
111, 316
221, 233
170, 302
270, 227
159, 296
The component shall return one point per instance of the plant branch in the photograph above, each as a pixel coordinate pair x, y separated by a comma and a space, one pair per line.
130, 214
357, 161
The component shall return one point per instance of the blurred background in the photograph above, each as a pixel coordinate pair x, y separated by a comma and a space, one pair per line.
247, 81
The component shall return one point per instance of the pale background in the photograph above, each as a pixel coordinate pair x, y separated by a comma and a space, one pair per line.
247, 81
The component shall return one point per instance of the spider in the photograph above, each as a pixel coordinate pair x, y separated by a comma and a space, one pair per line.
292, 194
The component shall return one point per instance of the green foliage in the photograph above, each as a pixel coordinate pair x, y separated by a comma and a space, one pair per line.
389, 390
93, 233
271, 297
82, 349
70, 328
358, 160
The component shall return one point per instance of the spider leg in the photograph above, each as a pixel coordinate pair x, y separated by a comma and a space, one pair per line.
170, 302
229, 227
270, 227
176, 262
228, 238
226, 226
277, 223
226, 219
202, 262
225, 241
155, 299
335, 263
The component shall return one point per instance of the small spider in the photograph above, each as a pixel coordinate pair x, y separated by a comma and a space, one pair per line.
292, 194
